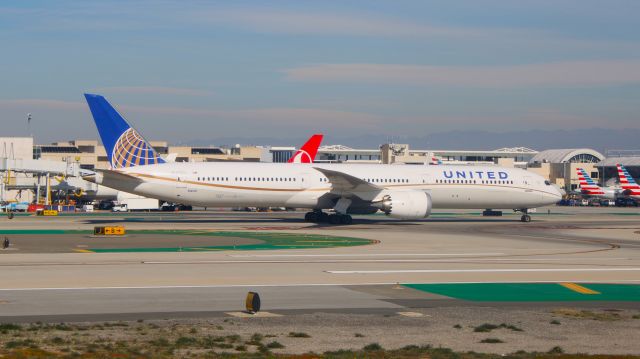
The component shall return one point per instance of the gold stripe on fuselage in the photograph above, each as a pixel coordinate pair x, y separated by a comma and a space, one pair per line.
326, 189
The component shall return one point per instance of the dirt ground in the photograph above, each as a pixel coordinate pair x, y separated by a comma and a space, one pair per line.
484, 330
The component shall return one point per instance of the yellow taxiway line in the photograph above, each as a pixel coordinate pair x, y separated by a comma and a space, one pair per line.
578, 288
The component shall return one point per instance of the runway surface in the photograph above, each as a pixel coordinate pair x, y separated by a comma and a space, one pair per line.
51, 280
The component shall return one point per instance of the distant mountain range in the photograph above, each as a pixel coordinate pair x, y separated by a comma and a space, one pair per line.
599, 139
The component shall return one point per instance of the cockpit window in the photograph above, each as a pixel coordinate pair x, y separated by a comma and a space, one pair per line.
547, 183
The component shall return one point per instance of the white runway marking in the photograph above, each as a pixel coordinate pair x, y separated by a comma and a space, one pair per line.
214, 286
363, 255
412, 314
499, 270
389, 260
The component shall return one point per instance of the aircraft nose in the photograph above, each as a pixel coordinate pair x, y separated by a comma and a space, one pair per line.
556, 194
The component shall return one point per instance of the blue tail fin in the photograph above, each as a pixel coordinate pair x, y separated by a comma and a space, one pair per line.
124, 145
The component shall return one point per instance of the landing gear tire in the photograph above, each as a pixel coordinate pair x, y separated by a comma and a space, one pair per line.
324, 217
315, 216
346, 219
340, 219
310, 217
525, 218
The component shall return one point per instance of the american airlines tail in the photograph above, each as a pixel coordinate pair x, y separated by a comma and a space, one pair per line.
124, 145
307, 153
587, 185
628, 184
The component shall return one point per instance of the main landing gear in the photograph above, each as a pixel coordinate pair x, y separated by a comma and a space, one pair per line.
318, 216
525, 215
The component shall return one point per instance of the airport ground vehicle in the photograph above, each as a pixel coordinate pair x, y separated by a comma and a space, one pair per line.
15, 207
147, 204
137, 204
626, 202
403, 192
120, 208
132, 202
172, 207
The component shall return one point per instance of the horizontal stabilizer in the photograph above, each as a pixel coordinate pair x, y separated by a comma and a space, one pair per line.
114, 179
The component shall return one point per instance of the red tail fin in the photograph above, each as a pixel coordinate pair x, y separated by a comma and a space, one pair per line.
307, 153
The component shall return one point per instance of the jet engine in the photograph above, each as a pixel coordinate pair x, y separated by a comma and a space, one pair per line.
405, 204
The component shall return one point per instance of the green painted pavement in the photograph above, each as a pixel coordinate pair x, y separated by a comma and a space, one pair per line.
531, 292
271, 240
39, 231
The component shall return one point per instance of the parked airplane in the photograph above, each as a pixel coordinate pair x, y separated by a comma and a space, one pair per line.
629, 186
405, 192
307, 153
588, 187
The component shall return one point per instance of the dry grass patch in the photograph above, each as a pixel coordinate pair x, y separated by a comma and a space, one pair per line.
587, 314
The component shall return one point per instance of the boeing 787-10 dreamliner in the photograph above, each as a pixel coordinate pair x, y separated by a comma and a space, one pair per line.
401, 191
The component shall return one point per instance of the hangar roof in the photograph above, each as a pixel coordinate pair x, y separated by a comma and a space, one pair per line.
631, 161
580, 155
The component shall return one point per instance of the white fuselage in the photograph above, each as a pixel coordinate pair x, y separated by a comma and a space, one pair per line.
300, 185
610, 193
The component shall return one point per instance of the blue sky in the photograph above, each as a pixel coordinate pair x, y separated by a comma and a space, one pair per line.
192, 70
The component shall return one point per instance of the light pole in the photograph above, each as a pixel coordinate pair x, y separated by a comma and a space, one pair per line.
29, 124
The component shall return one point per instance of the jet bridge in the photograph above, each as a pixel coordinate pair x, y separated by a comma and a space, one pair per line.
36, 174
40, 167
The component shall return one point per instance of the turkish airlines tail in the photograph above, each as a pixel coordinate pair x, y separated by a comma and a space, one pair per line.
307, 153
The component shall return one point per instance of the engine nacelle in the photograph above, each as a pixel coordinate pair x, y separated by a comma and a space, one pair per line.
405, 204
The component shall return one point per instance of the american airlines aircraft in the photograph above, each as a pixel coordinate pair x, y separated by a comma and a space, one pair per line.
400, 191
589, 188
629, 186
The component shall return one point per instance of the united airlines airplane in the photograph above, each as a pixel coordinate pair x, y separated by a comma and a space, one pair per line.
400, 191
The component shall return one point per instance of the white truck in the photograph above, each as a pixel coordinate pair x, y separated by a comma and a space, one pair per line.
131, 202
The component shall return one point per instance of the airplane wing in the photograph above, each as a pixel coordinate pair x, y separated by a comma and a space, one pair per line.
342, 182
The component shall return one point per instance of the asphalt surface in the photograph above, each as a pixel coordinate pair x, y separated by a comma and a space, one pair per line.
43, 277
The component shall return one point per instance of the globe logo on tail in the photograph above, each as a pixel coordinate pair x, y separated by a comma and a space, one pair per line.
131, 149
